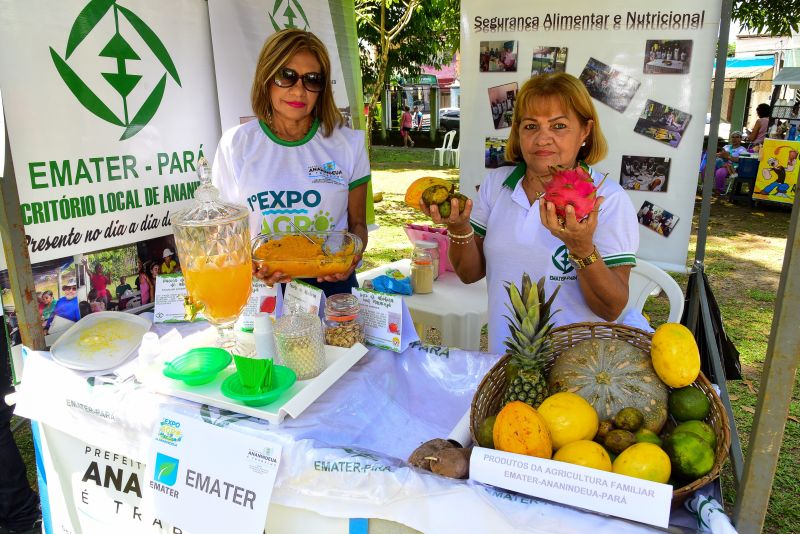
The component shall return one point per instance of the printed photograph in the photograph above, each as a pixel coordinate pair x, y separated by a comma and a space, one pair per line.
547, 59
667, 57
644, 173
662, 123
657, 219
608, 85
498, 56
495, 153
501, 103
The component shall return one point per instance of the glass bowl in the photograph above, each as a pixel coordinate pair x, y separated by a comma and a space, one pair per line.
294, 255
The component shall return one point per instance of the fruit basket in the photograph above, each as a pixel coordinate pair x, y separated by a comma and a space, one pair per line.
489, 395
293, 254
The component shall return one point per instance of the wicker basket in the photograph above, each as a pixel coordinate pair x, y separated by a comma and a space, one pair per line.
489, 396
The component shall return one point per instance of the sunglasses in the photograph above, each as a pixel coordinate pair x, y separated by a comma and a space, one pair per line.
70, 288
312, 81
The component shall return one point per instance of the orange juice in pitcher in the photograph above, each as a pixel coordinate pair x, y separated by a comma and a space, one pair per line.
222, 289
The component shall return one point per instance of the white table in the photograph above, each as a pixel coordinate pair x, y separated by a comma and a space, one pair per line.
456, 309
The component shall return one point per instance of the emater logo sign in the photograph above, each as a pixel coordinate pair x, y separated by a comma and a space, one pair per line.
122, 81
288, 14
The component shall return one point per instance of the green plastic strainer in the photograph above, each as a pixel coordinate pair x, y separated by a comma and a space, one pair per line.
198, 366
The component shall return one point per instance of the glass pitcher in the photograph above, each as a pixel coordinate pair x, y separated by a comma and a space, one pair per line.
213, 242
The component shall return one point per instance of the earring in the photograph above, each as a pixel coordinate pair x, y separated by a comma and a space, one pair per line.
583, 144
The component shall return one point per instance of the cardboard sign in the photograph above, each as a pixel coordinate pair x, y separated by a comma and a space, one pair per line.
263, 299
574, 485
387, 321
303, 297
232, 487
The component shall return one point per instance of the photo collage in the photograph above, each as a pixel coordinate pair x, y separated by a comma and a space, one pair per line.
611, 86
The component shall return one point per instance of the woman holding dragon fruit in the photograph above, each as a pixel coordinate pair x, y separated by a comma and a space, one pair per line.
544, 216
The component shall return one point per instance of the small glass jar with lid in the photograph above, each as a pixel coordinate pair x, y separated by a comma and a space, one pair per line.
343, 325
421, 271
433, 249
299, 343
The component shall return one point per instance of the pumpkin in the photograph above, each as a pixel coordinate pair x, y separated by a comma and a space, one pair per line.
414, 191
519, 428
612, 374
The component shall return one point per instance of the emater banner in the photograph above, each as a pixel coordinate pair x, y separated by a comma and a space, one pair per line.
109, 104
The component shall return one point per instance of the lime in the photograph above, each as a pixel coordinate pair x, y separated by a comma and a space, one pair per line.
645, 435
691, 456
704, 430
686, 404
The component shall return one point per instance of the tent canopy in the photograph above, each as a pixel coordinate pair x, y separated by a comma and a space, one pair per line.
787, 76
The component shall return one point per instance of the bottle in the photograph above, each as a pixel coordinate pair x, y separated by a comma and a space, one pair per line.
433, 249
264, 337
421, 271
343, 326
149, 349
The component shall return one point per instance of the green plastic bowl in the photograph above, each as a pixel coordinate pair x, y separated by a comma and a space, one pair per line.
198, 366
282, 379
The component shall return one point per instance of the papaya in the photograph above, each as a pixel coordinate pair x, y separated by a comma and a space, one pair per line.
519, 428
418, 186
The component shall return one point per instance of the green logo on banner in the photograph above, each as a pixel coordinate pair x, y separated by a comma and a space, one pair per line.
122, 81
288, 14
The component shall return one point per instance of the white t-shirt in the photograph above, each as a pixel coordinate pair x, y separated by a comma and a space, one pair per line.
306, 182
515, 241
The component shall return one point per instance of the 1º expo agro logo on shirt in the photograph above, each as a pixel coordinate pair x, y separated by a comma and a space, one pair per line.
122, 81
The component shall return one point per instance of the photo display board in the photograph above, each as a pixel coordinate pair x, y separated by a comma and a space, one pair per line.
648, 70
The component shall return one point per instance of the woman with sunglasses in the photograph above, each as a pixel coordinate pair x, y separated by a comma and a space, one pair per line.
298, 165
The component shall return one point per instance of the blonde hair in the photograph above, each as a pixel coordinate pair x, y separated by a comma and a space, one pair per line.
276, 52
573, 96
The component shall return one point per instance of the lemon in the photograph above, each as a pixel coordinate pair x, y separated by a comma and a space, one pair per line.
691, 455
704, 430
676, 358
569, 418
644, 460
688, 403
586, 453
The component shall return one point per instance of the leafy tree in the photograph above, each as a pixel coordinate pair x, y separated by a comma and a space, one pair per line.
776, 17
401, 37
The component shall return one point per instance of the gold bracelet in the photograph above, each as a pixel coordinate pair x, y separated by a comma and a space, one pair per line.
465, 236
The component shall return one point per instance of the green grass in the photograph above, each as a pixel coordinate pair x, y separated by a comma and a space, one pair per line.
743, 260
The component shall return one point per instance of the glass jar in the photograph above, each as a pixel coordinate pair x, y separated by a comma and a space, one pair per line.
343, 325
299, 343
421, 271
432, 247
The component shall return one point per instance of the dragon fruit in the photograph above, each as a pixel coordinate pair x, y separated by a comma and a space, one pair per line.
571, 187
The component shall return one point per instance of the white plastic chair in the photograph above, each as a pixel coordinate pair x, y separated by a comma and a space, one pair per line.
447, 144
451, 155
644, 280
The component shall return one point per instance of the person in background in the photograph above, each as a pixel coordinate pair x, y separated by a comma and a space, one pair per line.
19, 504
67, 306
46, 305
759, 131
418, 118
145, 284
169, 265
512, 230
301, 132
99, 281
122, 287
96, 304
406, 125
726, 159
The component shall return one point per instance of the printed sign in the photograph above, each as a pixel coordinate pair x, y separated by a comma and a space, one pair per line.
648, 82
387, 321
233, 489
574, 485
263, 299
776, 180
170, 291
108, 105
302, 297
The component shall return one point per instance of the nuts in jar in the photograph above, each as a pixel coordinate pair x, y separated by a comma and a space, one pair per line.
343, 326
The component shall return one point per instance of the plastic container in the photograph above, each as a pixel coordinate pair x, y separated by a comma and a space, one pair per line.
422, 274
149, 349
264, 337
433, 249
300, 345
283, 378
343, 325
198, 366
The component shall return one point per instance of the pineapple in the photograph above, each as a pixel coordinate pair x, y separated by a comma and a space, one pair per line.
528, 344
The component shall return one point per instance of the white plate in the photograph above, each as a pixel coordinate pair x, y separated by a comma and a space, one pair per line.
100, 341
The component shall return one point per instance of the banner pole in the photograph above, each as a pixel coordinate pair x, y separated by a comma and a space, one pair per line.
19, 262
713, 131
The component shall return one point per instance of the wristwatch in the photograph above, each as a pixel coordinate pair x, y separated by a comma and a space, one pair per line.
580, 263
